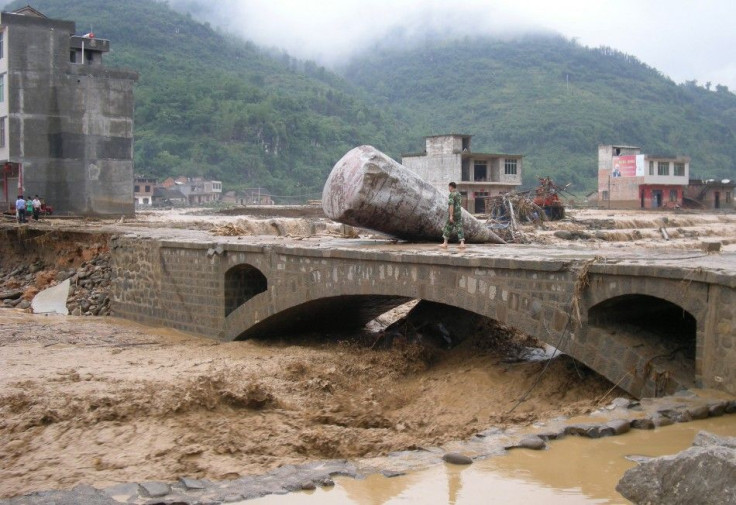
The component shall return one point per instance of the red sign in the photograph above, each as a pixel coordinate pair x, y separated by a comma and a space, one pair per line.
624, 166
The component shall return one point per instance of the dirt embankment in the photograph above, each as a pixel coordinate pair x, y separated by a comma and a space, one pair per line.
103, 401
33, 260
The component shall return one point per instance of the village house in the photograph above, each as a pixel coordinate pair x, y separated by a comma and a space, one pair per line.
710, 194
167, 197
478, 175
66, 120
628, 179
143, 191
196, 190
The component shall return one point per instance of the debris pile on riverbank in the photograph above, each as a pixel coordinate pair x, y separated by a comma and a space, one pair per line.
35, 263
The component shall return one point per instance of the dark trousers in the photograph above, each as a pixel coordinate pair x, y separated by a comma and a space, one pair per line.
36, 213
21, 215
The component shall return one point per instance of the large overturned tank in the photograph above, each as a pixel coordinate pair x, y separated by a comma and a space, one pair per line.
368, 189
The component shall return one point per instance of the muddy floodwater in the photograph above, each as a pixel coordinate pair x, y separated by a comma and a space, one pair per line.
573, 471
101, 401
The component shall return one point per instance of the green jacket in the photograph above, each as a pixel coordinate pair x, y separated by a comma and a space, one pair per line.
457, 206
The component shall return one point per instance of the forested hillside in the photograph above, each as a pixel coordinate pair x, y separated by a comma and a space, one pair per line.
210, 104
552, 100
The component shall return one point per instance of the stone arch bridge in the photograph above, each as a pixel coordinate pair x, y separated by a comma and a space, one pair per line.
648, 322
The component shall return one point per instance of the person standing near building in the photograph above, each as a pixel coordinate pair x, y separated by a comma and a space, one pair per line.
36, 207
454, 222
20, 209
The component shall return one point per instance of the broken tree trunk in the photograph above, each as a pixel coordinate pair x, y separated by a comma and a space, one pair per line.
368, 189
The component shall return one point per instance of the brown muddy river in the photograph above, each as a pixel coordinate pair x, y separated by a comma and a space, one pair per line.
572, 471
101, 401
153, 404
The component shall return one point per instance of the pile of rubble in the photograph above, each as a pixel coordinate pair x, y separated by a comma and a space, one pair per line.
89, 294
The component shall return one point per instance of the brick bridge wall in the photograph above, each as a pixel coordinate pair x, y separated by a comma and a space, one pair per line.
183, 285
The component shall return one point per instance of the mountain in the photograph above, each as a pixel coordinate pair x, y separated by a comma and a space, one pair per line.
209, 104
552, 100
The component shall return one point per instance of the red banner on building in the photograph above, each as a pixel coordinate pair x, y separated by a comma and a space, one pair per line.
628, 166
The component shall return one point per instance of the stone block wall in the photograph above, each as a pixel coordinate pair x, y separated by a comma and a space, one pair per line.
718, 350
183, 285
177, 285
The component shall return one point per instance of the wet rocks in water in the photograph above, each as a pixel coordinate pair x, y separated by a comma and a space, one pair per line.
644, 423
533, 442
717, 409
455, 458
590, 430
704, 473
619, 426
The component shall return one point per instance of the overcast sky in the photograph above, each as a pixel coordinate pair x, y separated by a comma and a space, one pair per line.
684, 39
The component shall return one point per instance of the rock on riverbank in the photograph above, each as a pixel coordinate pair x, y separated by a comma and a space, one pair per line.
704, 473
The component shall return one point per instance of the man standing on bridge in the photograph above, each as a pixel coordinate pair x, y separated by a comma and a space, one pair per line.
454, 222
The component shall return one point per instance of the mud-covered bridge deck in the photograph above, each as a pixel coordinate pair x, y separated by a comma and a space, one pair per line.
647, 320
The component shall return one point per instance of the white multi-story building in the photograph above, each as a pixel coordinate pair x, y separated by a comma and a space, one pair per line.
449, 158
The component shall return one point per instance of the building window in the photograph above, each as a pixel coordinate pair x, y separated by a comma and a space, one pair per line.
465, 171
651, 168
136, 189
2, 44
148, 189
72, 56
2, 88
604, 195
2, 132
680, 169
509, 167
728, 197
663, 168
673, 195
480, 171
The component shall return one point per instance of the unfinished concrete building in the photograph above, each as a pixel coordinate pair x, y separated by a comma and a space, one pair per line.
628, 179
66, 120
478, 175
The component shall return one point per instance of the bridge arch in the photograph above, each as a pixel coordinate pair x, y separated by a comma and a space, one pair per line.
242, 282
642, 335
335, 305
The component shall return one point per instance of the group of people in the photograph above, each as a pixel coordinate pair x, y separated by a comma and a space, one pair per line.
24, 207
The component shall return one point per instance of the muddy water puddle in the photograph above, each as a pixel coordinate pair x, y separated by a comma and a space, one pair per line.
573, 471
